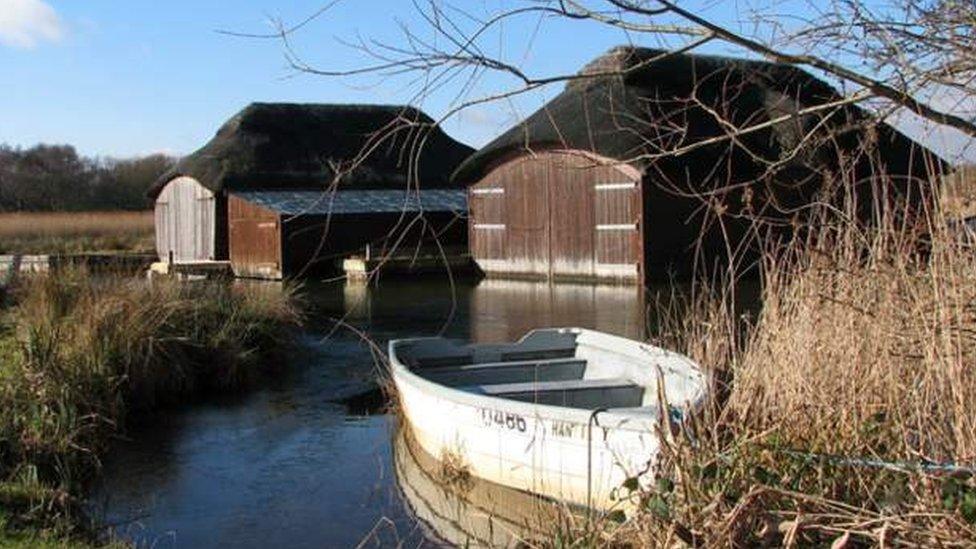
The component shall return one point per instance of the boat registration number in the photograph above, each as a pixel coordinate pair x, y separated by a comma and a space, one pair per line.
505, 420
515, 422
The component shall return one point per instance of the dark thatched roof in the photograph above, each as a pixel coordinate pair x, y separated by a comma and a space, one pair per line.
288, 145
639, 101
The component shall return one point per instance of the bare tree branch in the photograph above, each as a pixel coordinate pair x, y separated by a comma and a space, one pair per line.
877, 87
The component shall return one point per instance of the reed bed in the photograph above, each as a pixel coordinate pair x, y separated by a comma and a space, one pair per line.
80, 354
843, 414
73, 232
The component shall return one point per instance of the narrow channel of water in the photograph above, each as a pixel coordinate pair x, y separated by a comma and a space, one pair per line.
294, 464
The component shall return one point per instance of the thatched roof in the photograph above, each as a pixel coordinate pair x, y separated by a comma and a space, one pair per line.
288, 145
660, 101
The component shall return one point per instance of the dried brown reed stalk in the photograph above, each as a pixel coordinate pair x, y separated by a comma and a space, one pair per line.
455, 473
15, 224
58, 232
847, 415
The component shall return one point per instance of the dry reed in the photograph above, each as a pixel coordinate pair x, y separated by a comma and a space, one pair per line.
843, 414
70, 232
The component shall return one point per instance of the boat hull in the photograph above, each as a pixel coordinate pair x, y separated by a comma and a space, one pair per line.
570, 414
578, 458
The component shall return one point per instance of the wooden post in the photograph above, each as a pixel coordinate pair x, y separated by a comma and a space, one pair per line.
13, 269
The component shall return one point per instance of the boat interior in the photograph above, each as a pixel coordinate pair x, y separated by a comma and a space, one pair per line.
555, 367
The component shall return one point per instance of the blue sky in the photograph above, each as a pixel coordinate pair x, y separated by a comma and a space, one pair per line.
123, 78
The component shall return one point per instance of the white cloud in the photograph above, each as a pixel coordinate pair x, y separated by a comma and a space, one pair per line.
26, 23
474, 115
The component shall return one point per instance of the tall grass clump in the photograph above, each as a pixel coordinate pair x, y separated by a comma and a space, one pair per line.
843, 413
79, 354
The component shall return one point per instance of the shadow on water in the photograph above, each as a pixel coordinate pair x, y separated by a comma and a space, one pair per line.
310, 460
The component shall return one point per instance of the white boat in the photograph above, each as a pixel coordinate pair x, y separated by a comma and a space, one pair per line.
566, 413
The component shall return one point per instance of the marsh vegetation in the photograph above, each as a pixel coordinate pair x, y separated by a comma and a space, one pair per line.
842, 413
80, 355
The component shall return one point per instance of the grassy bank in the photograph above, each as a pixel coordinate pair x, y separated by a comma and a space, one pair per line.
80, 354
73, 232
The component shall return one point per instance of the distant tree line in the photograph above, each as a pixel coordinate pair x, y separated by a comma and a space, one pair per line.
55, 177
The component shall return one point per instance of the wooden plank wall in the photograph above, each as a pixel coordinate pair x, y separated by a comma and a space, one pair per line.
572, 214
558, 215
185, 219
527, 210
255, 240
271, 245
487, 233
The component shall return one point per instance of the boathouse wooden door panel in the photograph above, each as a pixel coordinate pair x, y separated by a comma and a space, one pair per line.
255, 239
617, 227
161, 221
527, 216
571, 216
185, 218
558, 214
486, 207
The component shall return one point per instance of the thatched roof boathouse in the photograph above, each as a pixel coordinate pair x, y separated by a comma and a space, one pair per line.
622, 174
284, 189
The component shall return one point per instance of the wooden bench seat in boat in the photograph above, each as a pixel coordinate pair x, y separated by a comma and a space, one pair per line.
576, 393
513, 355
539, 354
441, 361
521, 371
436, 353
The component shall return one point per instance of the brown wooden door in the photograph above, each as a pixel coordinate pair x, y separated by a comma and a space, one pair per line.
557, 214
617, 228
255, 240
527, 226
486, 212
571, 216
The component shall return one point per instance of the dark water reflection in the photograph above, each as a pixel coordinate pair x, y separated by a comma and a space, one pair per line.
290, 464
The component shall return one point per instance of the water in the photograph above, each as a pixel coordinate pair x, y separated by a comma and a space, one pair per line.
298, 464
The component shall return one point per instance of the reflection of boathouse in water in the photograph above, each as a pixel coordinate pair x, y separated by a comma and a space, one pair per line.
504, 310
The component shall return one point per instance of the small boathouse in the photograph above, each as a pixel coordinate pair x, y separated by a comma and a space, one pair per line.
291, 189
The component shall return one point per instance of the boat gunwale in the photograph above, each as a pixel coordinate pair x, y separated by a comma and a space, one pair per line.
633, 419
